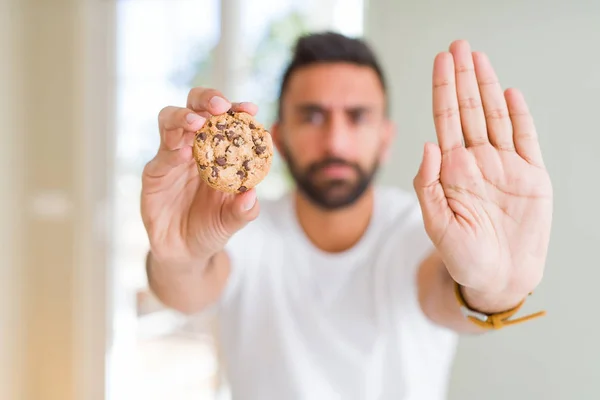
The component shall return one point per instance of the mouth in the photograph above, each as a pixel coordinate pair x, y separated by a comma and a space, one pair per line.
337, 171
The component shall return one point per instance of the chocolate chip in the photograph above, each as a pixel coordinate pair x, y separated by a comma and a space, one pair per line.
246, 165
215, 172
229, 134
218, 138
202, 166
260, 149
210, 124
242, 189
238, 141
221, 126
221, 161
252, 126
202, 136
231, 112
241, 174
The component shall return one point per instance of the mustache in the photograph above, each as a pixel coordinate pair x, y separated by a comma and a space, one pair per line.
330, 162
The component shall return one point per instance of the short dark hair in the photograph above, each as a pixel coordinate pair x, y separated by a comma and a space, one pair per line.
330, 47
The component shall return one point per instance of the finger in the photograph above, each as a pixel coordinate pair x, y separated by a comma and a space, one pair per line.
177, 125
246, 107
499, 128
211, 101
445, 106
240, 211
173, 118
525, 136
166, 160
174, 140
428, 188
469, 100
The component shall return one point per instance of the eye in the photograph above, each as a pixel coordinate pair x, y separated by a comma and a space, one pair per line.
357, 116
314, 117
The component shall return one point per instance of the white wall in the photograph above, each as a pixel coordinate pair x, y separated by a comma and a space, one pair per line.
10, 302
54, 82
551, 51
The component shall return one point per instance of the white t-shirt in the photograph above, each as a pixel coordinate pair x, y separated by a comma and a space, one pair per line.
299, 323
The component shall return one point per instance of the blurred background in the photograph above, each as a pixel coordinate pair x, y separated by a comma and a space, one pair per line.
81, 86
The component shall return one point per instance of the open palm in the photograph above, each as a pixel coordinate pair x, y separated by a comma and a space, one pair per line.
485, 194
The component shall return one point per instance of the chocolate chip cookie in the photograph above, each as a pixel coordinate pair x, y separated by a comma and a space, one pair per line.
233, 152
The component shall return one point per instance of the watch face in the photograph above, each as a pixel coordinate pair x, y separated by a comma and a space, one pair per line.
470, 313
466, 311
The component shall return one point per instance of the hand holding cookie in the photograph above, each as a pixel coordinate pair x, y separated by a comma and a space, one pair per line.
198, 189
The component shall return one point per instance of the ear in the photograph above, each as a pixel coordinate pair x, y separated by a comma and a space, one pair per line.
276, 136
389, 133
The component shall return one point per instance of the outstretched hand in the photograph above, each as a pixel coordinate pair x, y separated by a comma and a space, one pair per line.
485, 194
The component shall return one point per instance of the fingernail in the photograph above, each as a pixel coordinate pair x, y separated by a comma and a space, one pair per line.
192, 118
250, 201
219, 103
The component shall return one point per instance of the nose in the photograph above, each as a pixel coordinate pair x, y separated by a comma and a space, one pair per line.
337, 136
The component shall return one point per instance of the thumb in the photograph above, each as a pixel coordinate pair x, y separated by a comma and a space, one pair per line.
430, 168
240, 211
427, 183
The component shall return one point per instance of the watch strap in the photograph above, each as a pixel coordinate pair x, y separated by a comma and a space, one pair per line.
493, 321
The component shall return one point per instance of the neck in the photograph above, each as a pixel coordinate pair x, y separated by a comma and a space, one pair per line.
335, 231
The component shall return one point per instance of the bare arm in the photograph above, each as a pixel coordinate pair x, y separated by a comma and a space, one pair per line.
436, 297
438, 301
188, 288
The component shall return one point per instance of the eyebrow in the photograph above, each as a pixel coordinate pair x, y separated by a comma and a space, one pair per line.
309, 107
314, 107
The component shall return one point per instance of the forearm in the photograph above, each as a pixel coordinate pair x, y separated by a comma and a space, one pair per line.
437, 298
187, 287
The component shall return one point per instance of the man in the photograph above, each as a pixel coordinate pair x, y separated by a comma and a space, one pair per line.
343, 289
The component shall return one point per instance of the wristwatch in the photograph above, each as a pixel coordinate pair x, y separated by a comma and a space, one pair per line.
493, 321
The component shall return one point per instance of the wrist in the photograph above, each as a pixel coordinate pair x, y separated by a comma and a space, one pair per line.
175, 263
490, 302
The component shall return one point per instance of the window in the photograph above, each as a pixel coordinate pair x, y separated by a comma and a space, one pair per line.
165, 47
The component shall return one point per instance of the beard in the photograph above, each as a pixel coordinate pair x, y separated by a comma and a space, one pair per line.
330, 194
